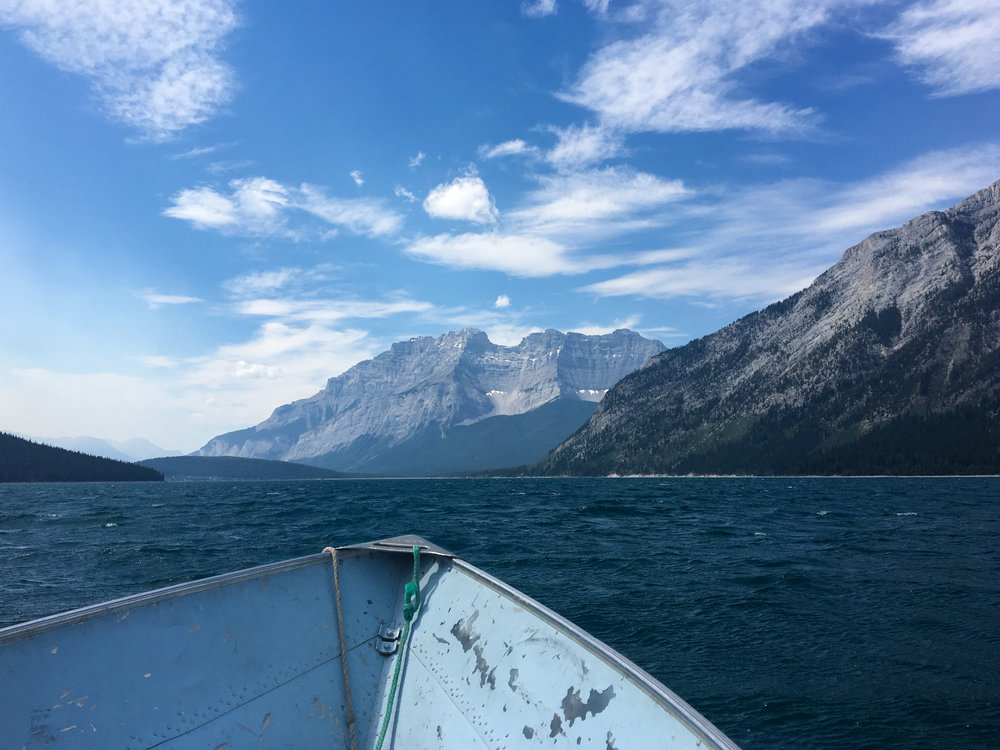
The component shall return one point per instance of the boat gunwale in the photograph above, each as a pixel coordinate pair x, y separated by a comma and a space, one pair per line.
130, 602
660, 693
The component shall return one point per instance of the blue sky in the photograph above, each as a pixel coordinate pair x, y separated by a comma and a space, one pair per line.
208, 207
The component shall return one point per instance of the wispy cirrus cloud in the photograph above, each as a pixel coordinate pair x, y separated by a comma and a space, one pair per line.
767, 241
580, 146
156, 299
515, 147
261, 207
596, 202
681, 73
954, 45
155, 64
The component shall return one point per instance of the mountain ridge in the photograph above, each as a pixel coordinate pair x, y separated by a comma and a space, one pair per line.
429, 388
885, 364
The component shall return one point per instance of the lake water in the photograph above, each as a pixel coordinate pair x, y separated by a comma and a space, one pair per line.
816, 613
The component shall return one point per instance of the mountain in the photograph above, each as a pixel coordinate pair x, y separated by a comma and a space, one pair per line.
135, 449
230, 468
26, 461
889, 363
449, 404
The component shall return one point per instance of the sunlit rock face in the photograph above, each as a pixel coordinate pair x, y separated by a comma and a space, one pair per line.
439, 389
888, 363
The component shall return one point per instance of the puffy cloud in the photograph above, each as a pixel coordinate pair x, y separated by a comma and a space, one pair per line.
954, 44
358, 179
464, 198
502, 301
154, 63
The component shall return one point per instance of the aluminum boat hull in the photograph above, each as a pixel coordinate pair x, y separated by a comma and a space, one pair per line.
255, 659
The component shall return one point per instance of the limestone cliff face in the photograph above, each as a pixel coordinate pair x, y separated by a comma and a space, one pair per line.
888, 363
437, 384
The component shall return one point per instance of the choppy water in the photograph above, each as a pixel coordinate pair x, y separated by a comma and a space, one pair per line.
817, 613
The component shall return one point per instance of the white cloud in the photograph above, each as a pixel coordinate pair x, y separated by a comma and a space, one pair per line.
261, 207
727, 278
254, 207
525, 255
538, 8
590, 329
918, 186
516, 147
581, 146
596, 202
769, 241
197, 151
416, 161
156, 300
502, 301
681, 74
953, 44
464, 198
358, 179
360, 215
154, 63
402, 192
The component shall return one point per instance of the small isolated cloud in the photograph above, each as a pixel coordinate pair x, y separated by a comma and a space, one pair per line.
154, 64
954, 45
416, 161
197, 151
156, 300
464, 198
538, 8
358, 179
402, 192
502, 301
261, 207
516, 147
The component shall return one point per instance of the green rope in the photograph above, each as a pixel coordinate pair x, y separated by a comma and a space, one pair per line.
411, 601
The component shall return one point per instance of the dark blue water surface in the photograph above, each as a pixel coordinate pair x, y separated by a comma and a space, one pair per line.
818, 613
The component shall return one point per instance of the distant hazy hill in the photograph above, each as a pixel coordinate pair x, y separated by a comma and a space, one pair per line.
133, 450
25, 461
208, 468
451, 404
888, 363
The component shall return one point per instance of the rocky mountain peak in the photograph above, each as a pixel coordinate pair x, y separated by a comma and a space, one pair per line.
455, 380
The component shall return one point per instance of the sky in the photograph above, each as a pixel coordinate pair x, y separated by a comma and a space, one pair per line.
210, 207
